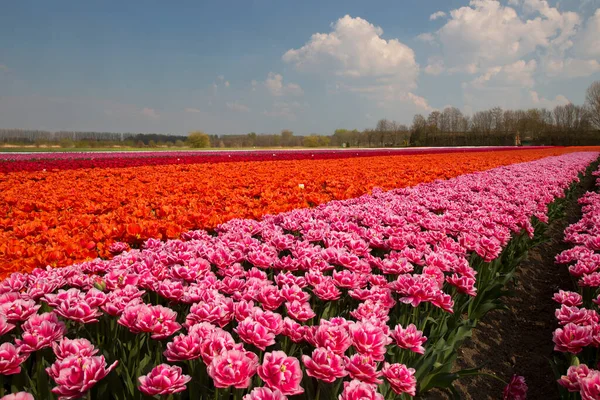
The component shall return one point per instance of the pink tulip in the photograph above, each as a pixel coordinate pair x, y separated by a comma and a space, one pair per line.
369, 339
299, 311
327, 290
129, 316
281, 372
184, 347
73, 347
409, 338
18, 396
163, 379
79, 310
158, 320
572, 338
269, 319
325, 365
516, 389
254, 333
95, 297
10, 359
590, 386
357, 390
575, 373
233, 368
19, 310
263, 393
363, 368
76, 375
571, 299
5, 327
270, 298
400, 378
293, 330
215, 343
40, 331
334, 338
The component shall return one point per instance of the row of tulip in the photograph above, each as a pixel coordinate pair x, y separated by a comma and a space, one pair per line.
13, 162
367, 298
578, 336
57, 218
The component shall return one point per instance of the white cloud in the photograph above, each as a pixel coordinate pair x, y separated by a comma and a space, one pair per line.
435, 66
427, 37
355, 58
437, 15
488, 34
237, 107
149, 112
542, 102
192, 110
355, 49
275, 86
587, 42
221, 77
418, 101
519, 73
571, 67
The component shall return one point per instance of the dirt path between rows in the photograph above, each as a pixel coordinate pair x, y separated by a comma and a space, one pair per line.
520, 340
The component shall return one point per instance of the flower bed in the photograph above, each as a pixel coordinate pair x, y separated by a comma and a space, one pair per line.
13, 162
578, 336
57, 218
363, 298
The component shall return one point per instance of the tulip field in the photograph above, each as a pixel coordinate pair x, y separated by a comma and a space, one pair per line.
349, 275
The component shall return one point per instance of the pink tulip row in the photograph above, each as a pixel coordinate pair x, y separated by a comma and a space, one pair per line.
579, 333
337, 300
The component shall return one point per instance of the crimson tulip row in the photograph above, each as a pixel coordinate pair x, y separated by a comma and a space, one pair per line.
367, 298
578, 336
12, 162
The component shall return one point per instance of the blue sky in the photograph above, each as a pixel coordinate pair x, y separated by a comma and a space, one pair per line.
265, 65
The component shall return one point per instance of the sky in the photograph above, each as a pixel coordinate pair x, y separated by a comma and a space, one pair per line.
232, 67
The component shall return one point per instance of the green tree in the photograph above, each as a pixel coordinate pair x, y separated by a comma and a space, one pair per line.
198, 140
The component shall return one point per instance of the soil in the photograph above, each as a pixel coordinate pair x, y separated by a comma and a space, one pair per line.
519, 340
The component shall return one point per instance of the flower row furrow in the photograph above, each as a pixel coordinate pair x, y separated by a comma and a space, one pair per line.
58, 218
362, 298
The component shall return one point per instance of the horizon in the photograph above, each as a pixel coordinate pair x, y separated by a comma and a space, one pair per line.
265, 66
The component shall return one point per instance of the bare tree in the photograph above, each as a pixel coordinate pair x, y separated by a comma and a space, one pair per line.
592, 101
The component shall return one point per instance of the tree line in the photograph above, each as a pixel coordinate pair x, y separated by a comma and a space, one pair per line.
566, 125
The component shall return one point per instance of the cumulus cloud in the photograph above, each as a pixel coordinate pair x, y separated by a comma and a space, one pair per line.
572, 68
542, 102
149, 112
275, 86
519, 73
587, 42
437, 15
487, 34
355, 49
237, 107
435, 66
357, 59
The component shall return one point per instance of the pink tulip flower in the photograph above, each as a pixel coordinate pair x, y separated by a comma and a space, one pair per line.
281, 372
400, 378
233, 368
